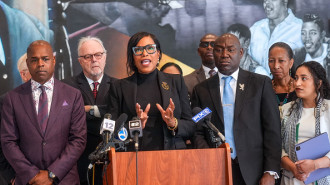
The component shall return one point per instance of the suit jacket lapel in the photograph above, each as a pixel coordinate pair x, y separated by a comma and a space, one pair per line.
165, 88
85, 88
103, 89
129, 88
200, 75
28, 104
241, 88
56, 106
214, 89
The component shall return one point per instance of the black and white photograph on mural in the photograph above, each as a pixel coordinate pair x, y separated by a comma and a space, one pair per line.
179, 24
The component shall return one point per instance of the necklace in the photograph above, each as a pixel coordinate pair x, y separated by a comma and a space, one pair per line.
287, 94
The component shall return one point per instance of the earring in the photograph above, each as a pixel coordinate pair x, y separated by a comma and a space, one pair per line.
158, 61
290, 72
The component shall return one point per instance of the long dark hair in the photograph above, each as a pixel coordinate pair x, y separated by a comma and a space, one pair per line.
318, 73
133, 41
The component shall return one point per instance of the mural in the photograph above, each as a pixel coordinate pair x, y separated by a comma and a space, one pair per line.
178, 25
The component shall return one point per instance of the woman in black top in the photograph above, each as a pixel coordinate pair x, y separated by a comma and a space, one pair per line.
280, 61
160, 100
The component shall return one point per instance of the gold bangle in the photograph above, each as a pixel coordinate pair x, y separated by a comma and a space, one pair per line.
175, 126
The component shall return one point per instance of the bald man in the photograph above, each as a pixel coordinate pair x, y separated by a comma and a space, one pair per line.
244, 109
43, 131
208, 68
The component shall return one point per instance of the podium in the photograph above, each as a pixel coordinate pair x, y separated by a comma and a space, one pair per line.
171, 167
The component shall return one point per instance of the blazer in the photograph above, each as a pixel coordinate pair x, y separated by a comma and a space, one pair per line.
256, 122
123, 100
7, 173
29, 150
93, 123
80, 82
194, 78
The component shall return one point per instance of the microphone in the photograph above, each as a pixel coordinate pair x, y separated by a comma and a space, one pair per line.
120, 122
135, 130
107, 128
205, 116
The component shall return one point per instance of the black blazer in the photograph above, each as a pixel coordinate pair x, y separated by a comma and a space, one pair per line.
256, 122
123, 100
80, 82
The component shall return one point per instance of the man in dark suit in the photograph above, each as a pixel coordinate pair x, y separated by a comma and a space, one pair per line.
250, 122
208, 68
43, 129
92, 58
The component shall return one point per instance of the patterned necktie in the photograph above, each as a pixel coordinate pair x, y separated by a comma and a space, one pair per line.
95, 89
228, 105
212, 72
43, 109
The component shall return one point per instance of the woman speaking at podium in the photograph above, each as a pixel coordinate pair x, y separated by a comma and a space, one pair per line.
305, 118
158, 99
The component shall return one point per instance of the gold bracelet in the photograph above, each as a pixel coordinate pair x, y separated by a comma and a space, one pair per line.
175, 126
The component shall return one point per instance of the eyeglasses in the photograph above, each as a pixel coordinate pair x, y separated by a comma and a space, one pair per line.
206, 44
150, 49
89, 57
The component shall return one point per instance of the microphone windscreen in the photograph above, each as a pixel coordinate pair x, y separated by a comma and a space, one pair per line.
120, 122
196, 110
107, 116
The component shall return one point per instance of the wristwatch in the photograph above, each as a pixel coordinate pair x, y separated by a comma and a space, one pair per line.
91, 110
51, 175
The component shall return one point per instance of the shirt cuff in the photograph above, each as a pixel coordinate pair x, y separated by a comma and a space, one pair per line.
96, 111
272, 173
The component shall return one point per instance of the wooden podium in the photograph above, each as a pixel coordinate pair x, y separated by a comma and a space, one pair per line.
171, 167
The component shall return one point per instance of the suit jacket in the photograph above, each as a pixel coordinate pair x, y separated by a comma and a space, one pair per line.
123, 100
29, 150
93, 123
256, 122
7, 173
194, 78
80, 82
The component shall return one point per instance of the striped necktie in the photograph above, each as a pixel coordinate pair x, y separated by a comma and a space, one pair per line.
43, 109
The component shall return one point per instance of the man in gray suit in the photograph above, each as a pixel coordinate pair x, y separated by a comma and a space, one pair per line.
208, 68
43, 131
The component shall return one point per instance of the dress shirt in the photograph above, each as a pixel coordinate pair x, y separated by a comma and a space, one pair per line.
91, 85
207, 70
36, 91
287, 31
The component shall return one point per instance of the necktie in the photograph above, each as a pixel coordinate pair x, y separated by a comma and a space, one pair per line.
43, 109
95, 89
212, 72
228, 105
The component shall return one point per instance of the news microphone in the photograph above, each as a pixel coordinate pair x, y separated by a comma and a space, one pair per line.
107, 128
112, 142
205, 116
120, 122
135, 130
